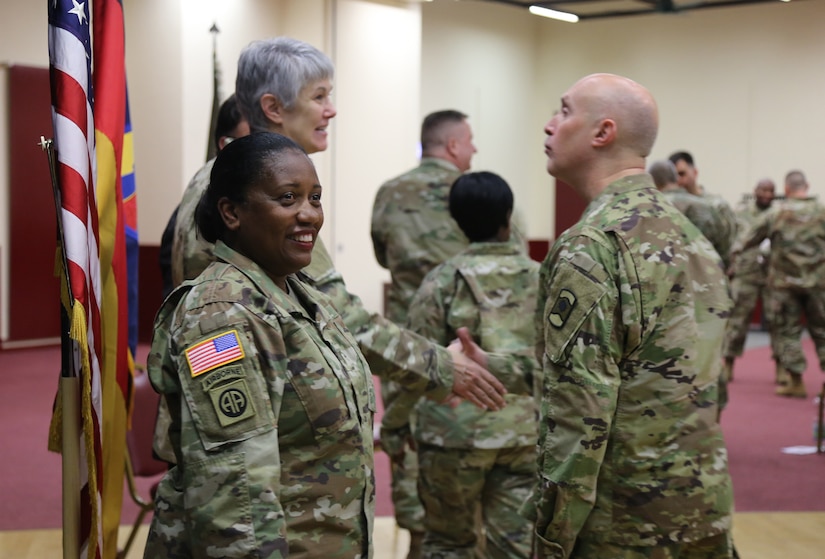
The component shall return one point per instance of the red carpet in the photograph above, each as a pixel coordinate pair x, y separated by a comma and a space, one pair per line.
757, 426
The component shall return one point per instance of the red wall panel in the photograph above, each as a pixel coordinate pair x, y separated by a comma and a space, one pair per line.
569, 207
34, 291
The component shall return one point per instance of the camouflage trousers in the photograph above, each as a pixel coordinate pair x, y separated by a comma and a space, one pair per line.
472, 499
746, 292
714, 547
788, 306
409, 514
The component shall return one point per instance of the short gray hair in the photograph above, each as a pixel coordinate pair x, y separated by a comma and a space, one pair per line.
281, 66
663, 173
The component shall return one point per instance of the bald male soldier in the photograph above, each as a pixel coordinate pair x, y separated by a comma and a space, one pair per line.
632, 311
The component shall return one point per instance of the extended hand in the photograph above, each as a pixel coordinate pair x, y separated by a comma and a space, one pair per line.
472, 381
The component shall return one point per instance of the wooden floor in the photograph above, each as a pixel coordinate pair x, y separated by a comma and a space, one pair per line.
779, 535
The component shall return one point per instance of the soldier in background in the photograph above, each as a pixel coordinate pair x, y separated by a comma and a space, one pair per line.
704, 216
796, 276
632, 310
748, 275
412, 233
476, 464
697, 209
725, 225
229, 126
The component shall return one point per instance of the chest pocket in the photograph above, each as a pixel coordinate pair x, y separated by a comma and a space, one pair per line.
322, 382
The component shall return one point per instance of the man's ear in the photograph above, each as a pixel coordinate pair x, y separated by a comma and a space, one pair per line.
451, 146
606, 133
272, 108
229, 213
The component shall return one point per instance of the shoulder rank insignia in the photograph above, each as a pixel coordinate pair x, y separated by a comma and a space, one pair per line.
215, 352
562, 308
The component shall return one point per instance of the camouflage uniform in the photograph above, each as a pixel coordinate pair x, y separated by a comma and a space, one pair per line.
191, 254
412, 233
796, 276
748, 285
391, 351
475, 461
632, 309
705, 217
726, 225
272, 409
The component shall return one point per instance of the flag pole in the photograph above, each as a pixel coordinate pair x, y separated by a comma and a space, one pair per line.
69, 389
211, 149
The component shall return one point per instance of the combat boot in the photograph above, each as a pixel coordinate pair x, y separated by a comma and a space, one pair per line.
794, 389
416, 539
781, 375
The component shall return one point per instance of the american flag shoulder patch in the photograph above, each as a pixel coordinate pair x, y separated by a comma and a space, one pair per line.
214, 352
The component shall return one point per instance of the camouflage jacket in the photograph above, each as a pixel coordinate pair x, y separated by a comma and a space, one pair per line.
632, 313
700, 212
796, 229
191, 254
412, 231
392, 352
272, 411
726, 225
750, 263
488, 288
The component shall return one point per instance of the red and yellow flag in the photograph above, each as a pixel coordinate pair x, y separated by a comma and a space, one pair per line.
97, 207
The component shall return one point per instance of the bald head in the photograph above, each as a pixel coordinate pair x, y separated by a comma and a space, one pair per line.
629, 104
606, 126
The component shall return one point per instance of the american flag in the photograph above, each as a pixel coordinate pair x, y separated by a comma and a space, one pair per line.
215, 352
71, 92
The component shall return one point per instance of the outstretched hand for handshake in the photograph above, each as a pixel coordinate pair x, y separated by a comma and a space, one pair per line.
471, 379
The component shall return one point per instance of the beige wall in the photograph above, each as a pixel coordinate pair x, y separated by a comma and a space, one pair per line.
739, 87
481, 59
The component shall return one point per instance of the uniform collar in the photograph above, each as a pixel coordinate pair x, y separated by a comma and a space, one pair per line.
438, 162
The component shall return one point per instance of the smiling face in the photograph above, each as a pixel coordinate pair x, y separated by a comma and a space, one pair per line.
277, 224
307, 121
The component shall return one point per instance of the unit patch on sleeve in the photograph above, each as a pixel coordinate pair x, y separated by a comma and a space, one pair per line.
231, 402
215, 352
562, 308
